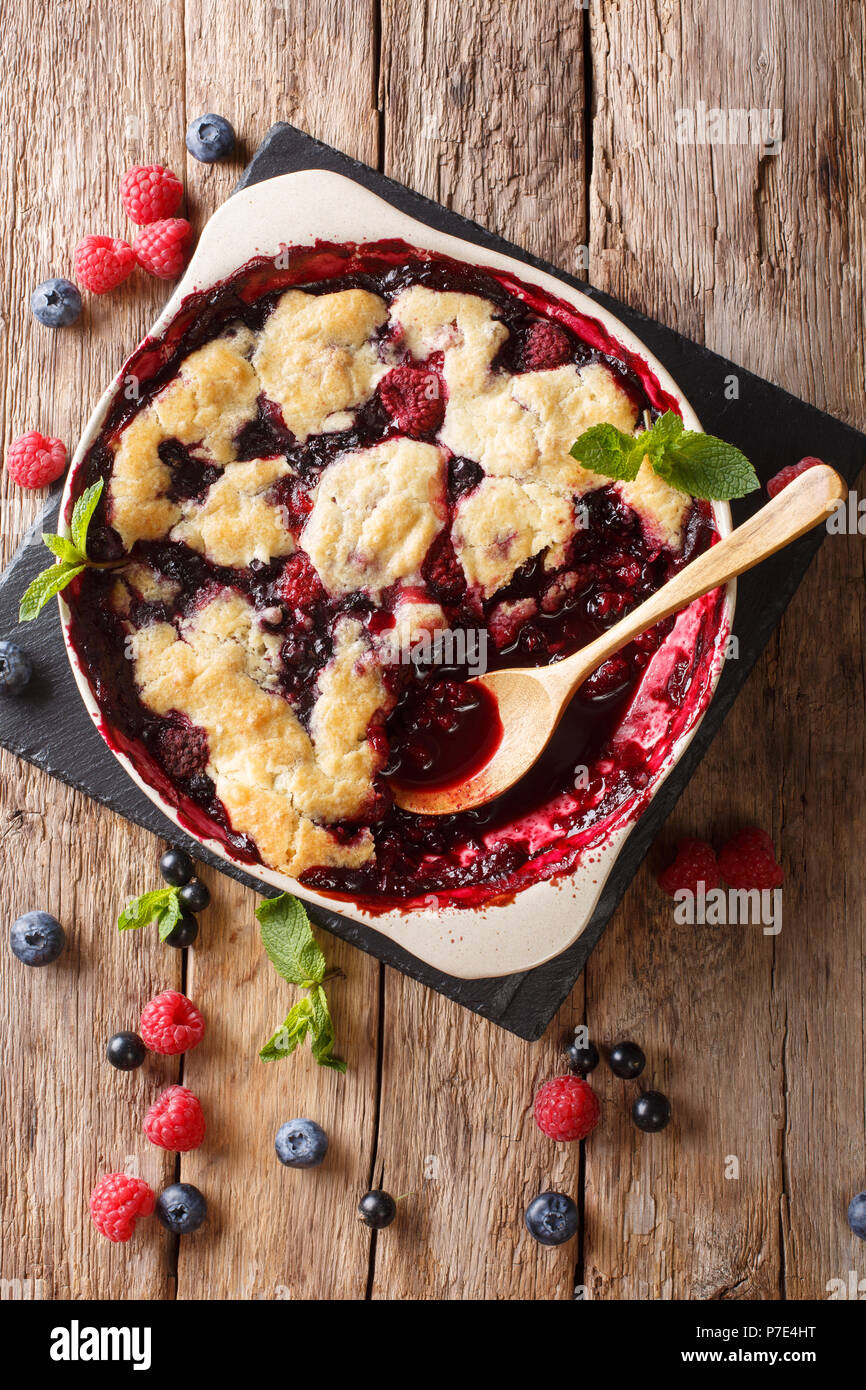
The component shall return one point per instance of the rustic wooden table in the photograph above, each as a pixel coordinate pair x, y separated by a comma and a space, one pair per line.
554, 124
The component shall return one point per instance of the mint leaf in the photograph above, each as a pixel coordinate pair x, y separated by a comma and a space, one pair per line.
162, 906
288, 939
323, 1032
63, 549
292, 1033
665, 432
605, 449
44, 587
704, 466
82, 513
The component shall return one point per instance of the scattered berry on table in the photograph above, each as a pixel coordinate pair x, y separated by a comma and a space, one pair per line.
413, 399
857, 1215
35, 460
301, 1144
582, 1059
209, 138
184, 933
16, 669
150, 192
651, 1111
176, 867
787, 475
626, 1060
170, 1024
56, 303
161, 248
377, 1209
695, 863
566, 1109
181, 1208
126, 1051
195, 895
175, 1121
547, 345
37, 938
103, 262
116, 1203
748, 860
551, 1218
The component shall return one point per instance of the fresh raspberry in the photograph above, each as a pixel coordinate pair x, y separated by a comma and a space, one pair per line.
300, 585
102, 263
567, 1108
413, 399
442, 571
748, 860
182, 748
116, 1203
34, 460
171, 1024
175, 1121
161, 247
787, 475
149, 193
695, 863
547, 345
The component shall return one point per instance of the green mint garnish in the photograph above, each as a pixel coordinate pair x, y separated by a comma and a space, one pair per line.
296, 955
698, 464
71, 556
162, 906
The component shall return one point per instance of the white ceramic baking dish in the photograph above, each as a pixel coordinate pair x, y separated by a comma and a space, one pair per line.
297, 209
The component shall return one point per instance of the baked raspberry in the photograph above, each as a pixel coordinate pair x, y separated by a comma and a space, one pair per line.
102, 263
787, 475
442, 571
566, 1109
695, 863
116, 1203
508, 618
182, 748
612, 675
175, 1121
160, 248
171, 1024
149, 192
34, 459
413, 399
748, 860
300, 585
547, 345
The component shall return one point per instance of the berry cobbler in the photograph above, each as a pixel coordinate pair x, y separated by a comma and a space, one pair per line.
321, 469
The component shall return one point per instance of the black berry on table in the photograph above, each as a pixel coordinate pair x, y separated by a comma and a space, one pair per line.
176, 867
126, 1051
377, 1209
651, 1112
37, 938
15, 669
195, 895
185, 933
551, 1218
181, 1208
301, 1144
626, 1060
582, 1059
857, 1215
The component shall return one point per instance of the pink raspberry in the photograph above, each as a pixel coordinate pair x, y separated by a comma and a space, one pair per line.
566, 1109
175, 1121
787, 475
102, 263
300, 584
161, 247
695, 863
116, 1203
442, 571
149, 192
748, 860
171, 1024
413, 399
547, 345
34, 459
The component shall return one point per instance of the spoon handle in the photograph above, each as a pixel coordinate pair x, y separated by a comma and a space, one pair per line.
804, 503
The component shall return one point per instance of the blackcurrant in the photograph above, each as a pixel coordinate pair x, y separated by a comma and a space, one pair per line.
582, 1060
194, 895
185, 933
377, 1209
651, 1111
126, 1051
176, 867
626, 1060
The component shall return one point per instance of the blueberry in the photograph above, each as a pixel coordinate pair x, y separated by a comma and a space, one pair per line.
551, 1218
582, 1060
15, 669
37, 938
176, 867
626, 1060
181, 1208
651, 1111
185, 933
301, 1144
377, 1209
209, 138
126, 1051
56, 303
857, 1215
194, 895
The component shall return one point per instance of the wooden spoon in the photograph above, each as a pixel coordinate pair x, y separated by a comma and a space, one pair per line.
532, 700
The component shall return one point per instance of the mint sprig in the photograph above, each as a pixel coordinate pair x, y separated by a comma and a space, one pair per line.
70, 554
296, 955
699, 464
162, 906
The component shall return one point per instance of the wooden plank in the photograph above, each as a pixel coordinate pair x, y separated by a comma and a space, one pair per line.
493, 129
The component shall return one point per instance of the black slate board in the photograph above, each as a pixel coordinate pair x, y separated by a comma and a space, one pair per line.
771, 426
